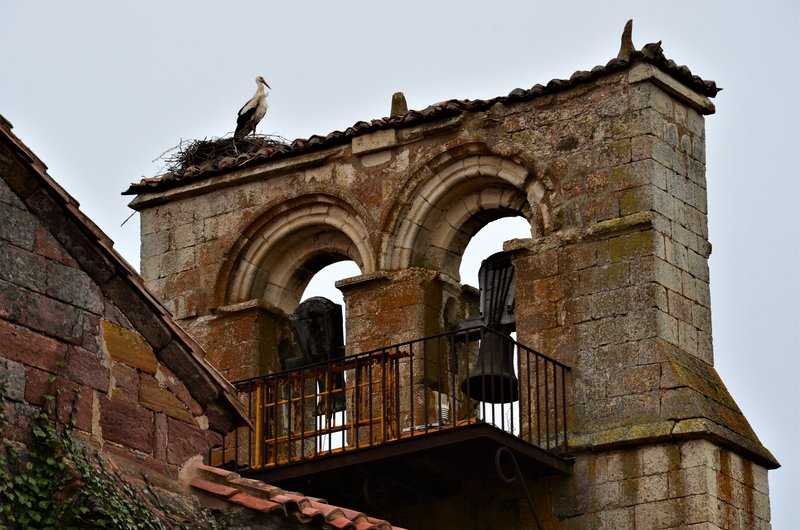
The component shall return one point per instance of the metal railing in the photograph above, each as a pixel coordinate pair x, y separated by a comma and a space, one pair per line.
405, 390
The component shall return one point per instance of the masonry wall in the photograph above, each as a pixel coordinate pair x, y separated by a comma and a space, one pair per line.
613, 281
60, 335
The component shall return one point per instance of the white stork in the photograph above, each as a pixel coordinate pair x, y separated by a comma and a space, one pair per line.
253, 111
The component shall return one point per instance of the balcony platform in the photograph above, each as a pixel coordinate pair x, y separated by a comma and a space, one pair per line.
432, 464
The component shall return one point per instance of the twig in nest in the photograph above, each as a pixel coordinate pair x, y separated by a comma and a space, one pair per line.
198, 152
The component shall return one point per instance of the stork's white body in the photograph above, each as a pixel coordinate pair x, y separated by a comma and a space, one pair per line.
253, 111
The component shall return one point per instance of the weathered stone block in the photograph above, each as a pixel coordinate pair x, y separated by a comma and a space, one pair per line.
87, 368
22, 267
668, 275
660, 458
612, 519
649, 488
603, 278
161, 438
676, 253
144, 318
174, 356
159, 399
185, 235
154, 244
606, 495
18, 227
30, 348
73, 286
697, 480
634, 380
626, 247
166, 378
41, 313
128, 347
635, 200
680, 307
186, 440
8, 196
125, 382
12, 380
47, 246
687, 337
373, 142
669, 513
127, 424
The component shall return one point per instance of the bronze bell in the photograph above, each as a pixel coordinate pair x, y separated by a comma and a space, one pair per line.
492, 378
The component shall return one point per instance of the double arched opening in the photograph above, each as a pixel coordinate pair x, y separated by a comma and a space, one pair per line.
407, 280
427, 228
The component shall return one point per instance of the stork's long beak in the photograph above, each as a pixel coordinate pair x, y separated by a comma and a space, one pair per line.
265, 83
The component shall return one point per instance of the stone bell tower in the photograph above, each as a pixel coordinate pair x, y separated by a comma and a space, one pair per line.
608, 167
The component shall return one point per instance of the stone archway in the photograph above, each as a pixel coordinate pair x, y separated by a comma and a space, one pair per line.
289, 243
446, 210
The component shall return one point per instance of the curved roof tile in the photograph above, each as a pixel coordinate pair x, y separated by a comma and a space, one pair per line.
256, 496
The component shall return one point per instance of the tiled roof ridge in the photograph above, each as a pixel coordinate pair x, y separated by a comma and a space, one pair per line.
650, 53
230, 487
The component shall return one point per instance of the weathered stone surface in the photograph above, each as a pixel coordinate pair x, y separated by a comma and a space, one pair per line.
30, 348
126, 382
87, 368
47, 246
17, 226
613, 281
73, 286
127, 424
12, 380
144, 317
22, 267
177, 358
186, 440
41, 313
160, 399
129, 347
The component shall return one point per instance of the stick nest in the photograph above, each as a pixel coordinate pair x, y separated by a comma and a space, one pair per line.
196, 153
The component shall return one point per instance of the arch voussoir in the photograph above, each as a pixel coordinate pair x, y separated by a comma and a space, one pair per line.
450, 206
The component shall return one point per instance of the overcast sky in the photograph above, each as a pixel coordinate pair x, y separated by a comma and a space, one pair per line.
100, 89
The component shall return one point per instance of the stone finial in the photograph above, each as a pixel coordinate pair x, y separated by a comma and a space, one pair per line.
399, 105
626, 47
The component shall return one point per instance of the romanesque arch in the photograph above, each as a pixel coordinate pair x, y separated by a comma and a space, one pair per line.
451, 206
282, 249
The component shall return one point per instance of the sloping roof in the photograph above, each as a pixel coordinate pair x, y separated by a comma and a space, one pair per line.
258, 497
93, 251
650, 53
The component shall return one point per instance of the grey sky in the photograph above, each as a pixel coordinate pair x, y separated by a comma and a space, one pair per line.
100, 89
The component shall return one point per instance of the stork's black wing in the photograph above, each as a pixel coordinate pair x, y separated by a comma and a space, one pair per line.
245, 115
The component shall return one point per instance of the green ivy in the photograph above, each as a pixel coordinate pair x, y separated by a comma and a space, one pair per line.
31, 479
55, 483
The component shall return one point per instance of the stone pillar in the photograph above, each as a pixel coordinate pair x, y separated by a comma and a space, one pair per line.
245, 340
388, 308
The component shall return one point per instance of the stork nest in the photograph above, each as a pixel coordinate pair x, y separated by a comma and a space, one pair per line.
198, 153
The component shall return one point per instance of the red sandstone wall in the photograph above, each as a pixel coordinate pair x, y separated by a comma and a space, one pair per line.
59, 331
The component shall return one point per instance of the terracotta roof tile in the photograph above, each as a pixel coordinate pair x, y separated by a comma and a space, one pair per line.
220, 490
254, 495
257, 504
650, 53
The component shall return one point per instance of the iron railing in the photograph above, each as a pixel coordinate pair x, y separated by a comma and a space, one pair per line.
405, 390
